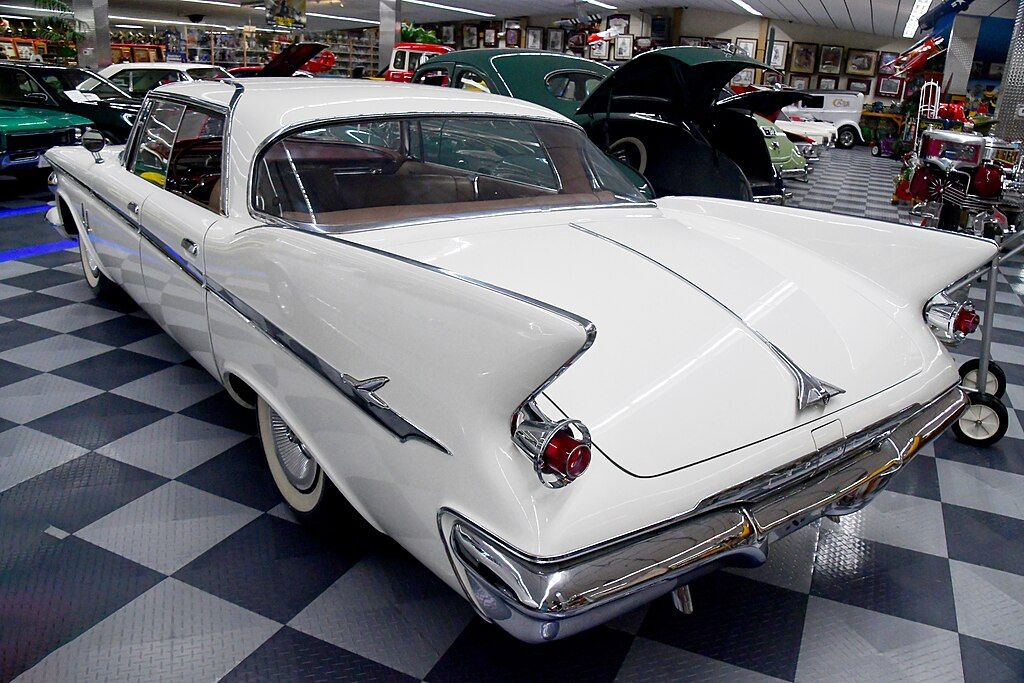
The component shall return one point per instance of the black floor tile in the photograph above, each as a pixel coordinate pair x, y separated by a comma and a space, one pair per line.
120, 331
725, 608
65, 589
112, 369
55, 258
239, 474
484, 652
97, 421
24, 305
919, 477
984, 538
291, 655
12, 372
41, 279
1005, 455
16, 333
220, 409
884, 578
986, 662
270, 566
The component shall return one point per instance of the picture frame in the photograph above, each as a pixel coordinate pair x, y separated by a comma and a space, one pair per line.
747, 46
861, 85
861, 62
830, 59
623, 47
828, 83
885, 60
800, 82
770, 77
490, 37
620, 21
889, 86
803, 58
512, 23
555, 39
448, 34
720, 43
470, 36
743, 78
599, 50
777, 58
535, 38
512, 37
660, 29
690, 41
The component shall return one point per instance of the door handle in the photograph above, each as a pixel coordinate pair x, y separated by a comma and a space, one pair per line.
190, 246
133, 207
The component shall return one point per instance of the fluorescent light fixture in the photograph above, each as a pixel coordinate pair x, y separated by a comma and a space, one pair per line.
602, 5
16, 16
129, 26
746, 8
450, 8
920, 7
22, 8
340, 18
218, 3
164, 22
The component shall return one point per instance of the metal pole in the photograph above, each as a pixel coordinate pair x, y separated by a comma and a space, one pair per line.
986, 325
390, 30
93, 21
1010, 111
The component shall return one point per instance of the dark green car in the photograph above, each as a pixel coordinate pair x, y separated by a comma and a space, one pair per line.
27, 132
657, 113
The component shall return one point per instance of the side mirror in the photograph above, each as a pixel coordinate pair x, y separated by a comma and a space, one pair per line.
94, 141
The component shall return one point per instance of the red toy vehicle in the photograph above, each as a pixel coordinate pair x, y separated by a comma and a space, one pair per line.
407, 57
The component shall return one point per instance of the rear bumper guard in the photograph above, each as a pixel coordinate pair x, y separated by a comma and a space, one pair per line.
544, 599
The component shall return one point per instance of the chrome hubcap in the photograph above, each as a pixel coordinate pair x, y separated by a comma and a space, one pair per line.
295, 460
979, 422
90, 265
846, 137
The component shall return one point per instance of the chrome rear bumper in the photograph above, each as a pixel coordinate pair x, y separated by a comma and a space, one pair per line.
543, 599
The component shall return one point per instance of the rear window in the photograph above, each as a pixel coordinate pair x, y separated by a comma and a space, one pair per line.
349, 175
572, 86
211, 73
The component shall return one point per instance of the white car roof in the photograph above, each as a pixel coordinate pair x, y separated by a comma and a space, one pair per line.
174, 66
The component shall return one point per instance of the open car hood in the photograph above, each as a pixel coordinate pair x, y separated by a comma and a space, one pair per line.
291, 59
673, 82
766, 103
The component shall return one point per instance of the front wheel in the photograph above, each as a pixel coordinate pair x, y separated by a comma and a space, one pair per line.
102, 287
876, 151
995, 379
983, 423
847, 138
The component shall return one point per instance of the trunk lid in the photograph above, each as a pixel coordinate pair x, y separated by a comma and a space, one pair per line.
673, 365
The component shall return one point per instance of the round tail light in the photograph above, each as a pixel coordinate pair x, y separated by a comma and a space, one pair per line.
988, 180
566, 456
967, 321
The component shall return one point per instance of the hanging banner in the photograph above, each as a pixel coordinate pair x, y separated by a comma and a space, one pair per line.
286, 13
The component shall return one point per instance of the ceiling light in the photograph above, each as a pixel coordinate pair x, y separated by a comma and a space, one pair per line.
165, 22
746, 8
602, 5
920, 7
22, 8
218, 3
129, 26
15, 16
340, 18
451, 8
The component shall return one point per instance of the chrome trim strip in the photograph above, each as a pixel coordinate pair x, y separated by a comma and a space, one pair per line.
539, 599
810, 389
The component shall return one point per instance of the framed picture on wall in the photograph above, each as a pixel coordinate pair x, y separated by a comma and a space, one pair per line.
535, 38
830, 60
490, 37
599, 50
777, 58
512, 36
861, 85
619, 21
744, 78
469, 36
889, 86
804, 58
720, 43
448, 34
828, 83
885, 60
861, 62
690, 41
556, 39
623, 47
747, 46
799, 82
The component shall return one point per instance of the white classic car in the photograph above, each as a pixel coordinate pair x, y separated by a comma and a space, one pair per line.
563, 399
817, 132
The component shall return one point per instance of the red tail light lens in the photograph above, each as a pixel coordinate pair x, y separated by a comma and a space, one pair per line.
967, 321
566, 456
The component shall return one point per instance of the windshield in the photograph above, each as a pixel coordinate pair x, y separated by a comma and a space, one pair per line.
68, 81
209, 73
353, 174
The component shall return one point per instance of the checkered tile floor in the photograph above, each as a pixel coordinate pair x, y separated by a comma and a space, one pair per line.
142, 539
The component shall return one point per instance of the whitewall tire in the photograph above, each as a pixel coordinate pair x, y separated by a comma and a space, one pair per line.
297, 475
99, 283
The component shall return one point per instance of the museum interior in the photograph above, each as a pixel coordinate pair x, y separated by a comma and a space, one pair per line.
301, 302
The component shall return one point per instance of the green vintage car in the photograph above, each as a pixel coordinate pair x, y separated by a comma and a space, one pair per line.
785, 156
658, 113
27, 132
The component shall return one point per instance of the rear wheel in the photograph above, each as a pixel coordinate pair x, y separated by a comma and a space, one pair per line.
298, 477
846, 138
630, 151
983, 423
102, 287
876, 150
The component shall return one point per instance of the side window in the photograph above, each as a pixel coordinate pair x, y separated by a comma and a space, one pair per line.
141, 81
434, 77
121, 80
155, 141
573, 87
414, 60
470, 80
399, 61
18, 86
194, 171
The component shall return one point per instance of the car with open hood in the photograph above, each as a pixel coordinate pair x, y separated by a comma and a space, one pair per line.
564, 399
288, 62
657, 113
763, 106
71, 90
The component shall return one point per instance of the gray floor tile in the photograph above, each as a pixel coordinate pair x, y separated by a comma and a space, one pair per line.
54, 352
790, 561
989, 603
173, 445
16, 268
174, 388
172, 632
846, 643
72, 291
24, 453
981, 488
160, 346
901, 520
71, 317
649, 660
169, 527
43, 394
389, 609
7, 291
